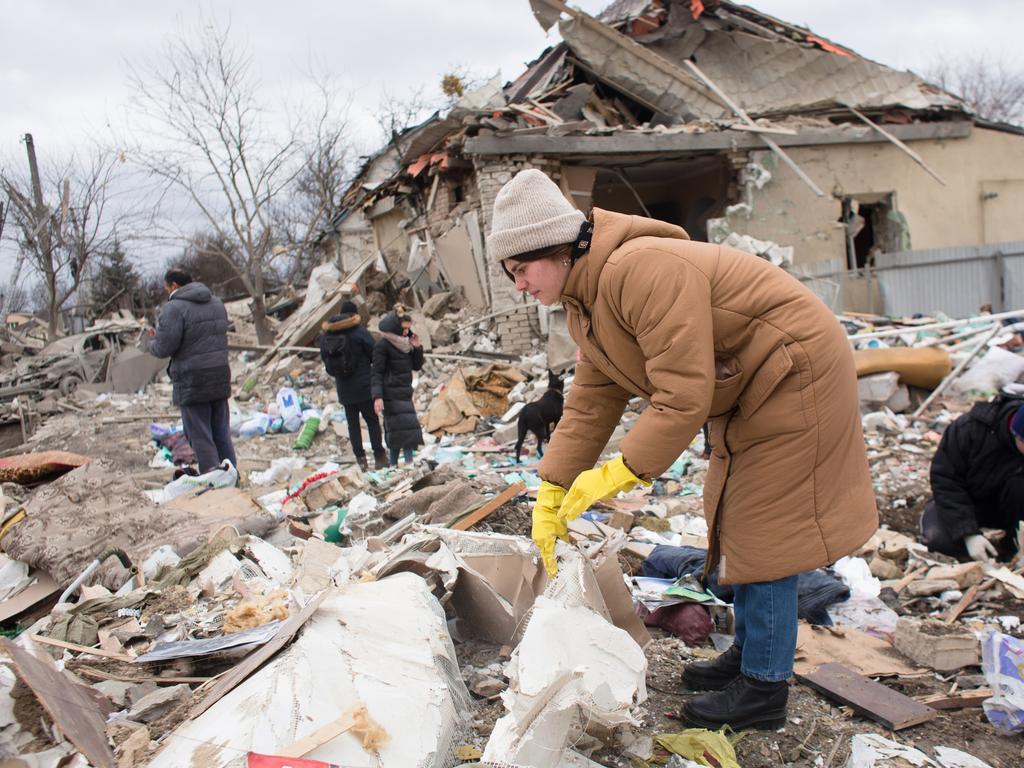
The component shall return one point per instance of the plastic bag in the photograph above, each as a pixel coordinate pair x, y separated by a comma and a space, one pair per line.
279, 471
291, 411
225, 476
1002, 660
869, 750
259, 424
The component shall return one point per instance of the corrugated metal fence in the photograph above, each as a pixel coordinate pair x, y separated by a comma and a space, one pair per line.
952, 280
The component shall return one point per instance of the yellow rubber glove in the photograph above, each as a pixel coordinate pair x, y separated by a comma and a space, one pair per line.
547, 526
595, 484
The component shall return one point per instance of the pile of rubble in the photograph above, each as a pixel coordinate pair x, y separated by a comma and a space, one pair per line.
296, 607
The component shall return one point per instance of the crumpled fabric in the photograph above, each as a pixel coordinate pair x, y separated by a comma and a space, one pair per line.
816, 590
76, 518
437, 503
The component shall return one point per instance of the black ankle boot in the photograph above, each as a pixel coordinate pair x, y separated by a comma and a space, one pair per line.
380, 461
744, 703
363, 463
715, 674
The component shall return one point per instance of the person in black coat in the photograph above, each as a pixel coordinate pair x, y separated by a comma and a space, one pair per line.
192, 330
346, 348
977, 478
396, 355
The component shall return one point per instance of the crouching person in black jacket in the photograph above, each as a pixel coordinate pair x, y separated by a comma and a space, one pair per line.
977, 478
346, 347
192, 330
397, 354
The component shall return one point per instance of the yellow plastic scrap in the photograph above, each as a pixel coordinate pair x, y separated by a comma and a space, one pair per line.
710, 748
467, 752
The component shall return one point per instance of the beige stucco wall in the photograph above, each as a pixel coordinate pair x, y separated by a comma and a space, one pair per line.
787, 211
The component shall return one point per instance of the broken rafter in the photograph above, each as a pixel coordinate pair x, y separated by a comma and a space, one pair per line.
741, 113
910, 153
475, 517
641, 52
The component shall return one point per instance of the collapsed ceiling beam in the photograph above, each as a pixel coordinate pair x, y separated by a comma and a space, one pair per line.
889, 137
640, 143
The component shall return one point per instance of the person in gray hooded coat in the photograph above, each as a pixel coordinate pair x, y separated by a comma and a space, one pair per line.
192, 331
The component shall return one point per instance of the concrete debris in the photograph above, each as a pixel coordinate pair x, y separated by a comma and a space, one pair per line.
310, 584
160, 703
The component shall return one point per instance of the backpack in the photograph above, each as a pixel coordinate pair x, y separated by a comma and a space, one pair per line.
338, 355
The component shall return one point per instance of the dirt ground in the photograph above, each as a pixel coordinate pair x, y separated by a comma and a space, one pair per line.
817, 732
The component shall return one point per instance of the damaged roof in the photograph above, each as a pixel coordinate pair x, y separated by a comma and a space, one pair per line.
769, 67
646, 67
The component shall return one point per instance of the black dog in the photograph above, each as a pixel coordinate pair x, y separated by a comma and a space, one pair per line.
542, 416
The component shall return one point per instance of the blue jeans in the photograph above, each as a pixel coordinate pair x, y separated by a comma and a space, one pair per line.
406, 452
766, 626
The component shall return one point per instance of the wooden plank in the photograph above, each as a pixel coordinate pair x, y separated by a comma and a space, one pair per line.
874, 700
322, 735
72, 707
954, 613
641, 143
961, 700
902, 583
739, 112
910, 153
82, 648
472, 519
99, 674
43, 588
237, 674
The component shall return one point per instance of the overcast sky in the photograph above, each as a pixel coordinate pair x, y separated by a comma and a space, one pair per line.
64, 64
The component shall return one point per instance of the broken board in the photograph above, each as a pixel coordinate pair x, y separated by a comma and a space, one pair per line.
874, 700
237, 674
475, 517
74, 708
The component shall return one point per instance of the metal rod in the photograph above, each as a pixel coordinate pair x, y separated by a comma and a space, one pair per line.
936, 326
739, 111
955, 373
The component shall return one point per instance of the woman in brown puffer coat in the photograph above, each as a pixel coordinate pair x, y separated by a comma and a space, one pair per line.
702, 332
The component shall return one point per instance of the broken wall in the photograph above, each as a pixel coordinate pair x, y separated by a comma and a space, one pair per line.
787, 212
353, 241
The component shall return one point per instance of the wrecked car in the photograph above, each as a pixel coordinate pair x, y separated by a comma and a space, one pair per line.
106, 356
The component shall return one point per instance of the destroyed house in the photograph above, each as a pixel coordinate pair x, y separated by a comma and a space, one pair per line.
741, 128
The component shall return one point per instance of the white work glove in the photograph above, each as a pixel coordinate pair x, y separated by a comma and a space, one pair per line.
979, 548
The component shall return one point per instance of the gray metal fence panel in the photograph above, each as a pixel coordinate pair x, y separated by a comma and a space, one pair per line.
952, 280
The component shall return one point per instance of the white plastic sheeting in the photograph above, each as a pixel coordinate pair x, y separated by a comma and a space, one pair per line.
382, 643
573, 667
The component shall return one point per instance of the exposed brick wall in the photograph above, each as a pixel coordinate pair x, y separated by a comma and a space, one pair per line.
517, 330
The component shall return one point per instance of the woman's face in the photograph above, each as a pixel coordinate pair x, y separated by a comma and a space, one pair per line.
406, 326
544, 279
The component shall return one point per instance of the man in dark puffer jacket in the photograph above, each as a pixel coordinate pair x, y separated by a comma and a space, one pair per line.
349, 365
977, 479
397, 354
192, 330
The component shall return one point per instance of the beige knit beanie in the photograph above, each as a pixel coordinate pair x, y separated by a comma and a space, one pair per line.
530, 212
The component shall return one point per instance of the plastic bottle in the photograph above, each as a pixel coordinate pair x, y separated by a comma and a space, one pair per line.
291, 411
257, 425
305, 438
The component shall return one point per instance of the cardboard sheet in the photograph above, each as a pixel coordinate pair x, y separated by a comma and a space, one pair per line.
860, 652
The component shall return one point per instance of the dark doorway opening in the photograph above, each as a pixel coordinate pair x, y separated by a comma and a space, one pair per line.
684, 192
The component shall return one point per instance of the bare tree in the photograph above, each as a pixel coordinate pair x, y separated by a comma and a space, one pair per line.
994, 90
14, 297
61, 218
209, 138
323, 178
